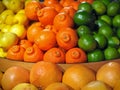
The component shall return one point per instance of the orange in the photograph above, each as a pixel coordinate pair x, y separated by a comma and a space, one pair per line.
109, 73
57, 7
69, 9
25, 43
16, 52
75, 55
63, 20
67, 38
44, 73
66, 2
54, 55
50, 2
46, 15
31, 9
75, 4
78, 76
45, 39
58, 86
33, 30
33, 54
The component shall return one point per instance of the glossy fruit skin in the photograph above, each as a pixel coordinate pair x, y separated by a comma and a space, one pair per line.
82, 18
13, 76
96, 56
87, 43
109, 73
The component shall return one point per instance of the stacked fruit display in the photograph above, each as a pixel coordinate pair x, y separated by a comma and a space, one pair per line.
66, 31
50, 76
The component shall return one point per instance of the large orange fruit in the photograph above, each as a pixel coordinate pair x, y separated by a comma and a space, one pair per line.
78, 76
109, 73
44, 73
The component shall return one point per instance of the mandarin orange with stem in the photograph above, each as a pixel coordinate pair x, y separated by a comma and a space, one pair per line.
54, 55
31, 9
46, 15
67, 38
63, 20
75, 55
33, 54
46, 39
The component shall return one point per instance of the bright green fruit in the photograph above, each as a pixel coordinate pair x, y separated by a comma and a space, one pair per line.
111, 53
116, 21
82, 18
113, 41
99, 7
118, 33
85, 6
96, 56
106, 30
82, 30
107, 19
113, 8
87, 42
101, 22
101, 40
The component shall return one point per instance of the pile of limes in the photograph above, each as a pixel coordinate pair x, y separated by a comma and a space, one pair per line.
98, 28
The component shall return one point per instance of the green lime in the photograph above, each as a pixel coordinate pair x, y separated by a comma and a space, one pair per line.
101, 40
87, 42
96, 56
106, 30
113, 41
82, 18
111, 53
106, 2
99, 7
83, 29
101, 22
85, 6
107, 19
113, 8
116, 21
118, 33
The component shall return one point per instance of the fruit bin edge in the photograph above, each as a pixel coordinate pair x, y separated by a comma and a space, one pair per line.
6, 63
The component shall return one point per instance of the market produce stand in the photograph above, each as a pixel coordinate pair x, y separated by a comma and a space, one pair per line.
5, 64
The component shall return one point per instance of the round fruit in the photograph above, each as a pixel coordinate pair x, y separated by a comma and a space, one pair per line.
109, 73
13, 76
116, 21
87, 43
44, 73
77, 76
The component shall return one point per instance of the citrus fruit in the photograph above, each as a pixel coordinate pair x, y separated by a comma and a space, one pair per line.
75, 55
58, 86
82, 18
106, 30
14, 75
83, 29
44, 73
87, 43
113, 8
85, 6
95, 56
118, 33
116, 21
109, 73
77, 76
113, 41
111, 53
99, 7
96, 85
101, 40
106, 18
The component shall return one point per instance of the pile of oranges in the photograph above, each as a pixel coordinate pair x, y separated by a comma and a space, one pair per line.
50, 33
